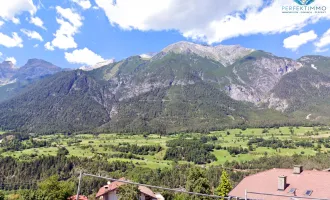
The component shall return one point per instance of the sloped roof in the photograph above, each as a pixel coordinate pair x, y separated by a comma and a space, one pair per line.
267, 182
112, 186
115, 185
147, 191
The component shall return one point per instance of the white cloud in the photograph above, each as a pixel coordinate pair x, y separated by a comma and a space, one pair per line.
14, 41
36, 45
69, 22
64, 42
85, 4
1, 23
10, 8
95, 7
11, 59
15, 20
37, 21
49, 47
83, 56
32, 34
0, 54
223, 19
321, 50
295, 41
70, 15
323, 42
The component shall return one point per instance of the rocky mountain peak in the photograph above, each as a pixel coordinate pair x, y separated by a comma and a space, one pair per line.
33, 63
225, 54
7, 65
36, 68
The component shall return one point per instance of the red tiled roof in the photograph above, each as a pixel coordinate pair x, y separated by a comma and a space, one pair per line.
81, 197
114, 185
267, 182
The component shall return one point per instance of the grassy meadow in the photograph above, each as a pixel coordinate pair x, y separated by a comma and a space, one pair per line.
88, 145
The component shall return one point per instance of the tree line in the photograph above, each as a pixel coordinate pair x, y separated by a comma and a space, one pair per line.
191, 150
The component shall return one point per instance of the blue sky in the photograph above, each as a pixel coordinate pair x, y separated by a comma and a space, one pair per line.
75, 33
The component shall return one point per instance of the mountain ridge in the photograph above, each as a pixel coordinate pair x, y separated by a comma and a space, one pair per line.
225, 54
15, 79
175, 90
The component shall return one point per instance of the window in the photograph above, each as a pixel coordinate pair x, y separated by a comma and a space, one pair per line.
308, 192
292, 190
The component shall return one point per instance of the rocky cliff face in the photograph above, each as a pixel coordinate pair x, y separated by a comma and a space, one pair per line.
257, 74
226, 55
304, 89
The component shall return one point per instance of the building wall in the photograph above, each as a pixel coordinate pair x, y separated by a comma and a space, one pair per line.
142, 197
110, 196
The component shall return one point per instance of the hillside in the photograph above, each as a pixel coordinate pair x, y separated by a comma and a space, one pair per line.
185, 87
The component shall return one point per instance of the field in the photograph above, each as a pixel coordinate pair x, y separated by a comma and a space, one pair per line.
88, 145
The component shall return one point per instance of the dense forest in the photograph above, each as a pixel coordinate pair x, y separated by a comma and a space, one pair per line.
195, 150
133, 148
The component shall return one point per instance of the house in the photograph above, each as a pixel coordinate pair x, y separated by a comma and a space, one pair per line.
81, 197
285, 183
109, 191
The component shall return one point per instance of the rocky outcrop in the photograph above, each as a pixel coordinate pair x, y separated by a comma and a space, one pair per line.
225, 54
7, 71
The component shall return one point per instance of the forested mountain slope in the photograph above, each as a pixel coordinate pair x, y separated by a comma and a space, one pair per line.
185, 87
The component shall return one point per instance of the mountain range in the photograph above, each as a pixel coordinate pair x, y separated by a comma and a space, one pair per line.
185, 87
15, 79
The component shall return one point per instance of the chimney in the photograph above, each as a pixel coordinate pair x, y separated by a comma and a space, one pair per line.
297, 169
106, 187
281, 183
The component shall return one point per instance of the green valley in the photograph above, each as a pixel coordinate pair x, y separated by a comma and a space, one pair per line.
189, 111
228, 145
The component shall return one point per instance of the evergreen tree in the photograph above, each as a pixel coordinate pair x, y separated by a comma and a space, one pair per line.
128, 192
197, 182
62, 151
225, 186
